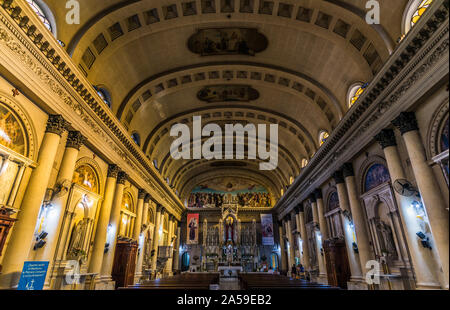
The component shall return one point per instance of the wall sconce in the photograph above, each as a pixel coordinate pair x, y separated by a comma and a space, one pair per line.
424, 240
40, 242
106, 248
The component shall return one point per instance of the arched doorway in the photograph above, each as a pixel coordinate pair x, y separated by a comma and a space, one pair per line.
185, 261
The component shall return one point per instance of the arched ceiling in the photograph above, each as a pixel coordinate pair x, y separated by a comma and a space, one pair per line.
138, 50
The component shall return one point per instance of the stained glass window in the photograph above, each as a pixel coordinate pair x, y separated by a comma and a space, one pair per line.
304, 162
357, 94
104, 95
423, 6
323, 137
40, 13
136, 138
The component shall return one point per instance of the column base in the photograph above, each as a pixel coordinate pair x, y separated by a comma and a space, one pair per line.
9, 281
357, 284
104, 283
428, 286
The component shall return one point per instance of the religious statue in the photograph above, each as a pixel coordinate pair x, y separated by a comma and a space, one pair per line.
387, 239
229, 233
75, 249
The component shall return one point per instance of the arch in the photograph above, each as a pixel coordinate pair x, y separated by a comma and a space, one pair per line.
127, 202
308, 214
376, 175
354, 92
45, 14
413, 12
437, 139
151, 216
87, 177
24, 119
333, 201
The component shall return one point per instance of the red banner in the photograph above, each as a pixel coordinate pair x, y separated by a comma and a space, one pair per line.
192, 228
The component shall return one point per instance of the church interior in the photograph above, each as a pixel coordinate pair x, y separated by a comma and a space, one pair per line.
93, 198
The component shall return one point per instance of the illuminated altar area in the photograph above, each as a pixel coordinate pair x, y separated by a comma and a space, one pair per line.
229, 236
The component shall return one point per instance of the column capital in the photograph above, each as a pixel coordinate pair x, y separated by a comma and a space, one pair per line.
159, 208
113, 171
280, 224
141, 194
386, 138
347, 170
312, 198
406, 122
338, 177
56, 124
287, 217
147, 198
121, 177
75, 140
299, 209
318, 194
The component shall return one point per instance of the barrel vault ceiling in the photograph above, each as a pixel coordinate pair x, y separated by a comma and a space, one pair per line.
316, 49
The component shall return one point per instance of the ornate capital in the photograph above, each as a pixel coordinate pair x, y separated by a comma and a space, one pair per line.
386, 138
318, 194
406, 122
297, 210
338, 177
160, 209
121, 177
147, 198
142, 194
113, 171
56, 124
75, 140
312, 198
287, 218
347, 170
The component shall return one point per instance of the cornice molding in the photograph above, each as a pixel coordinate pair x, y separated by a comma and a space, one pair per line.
55, 68
424, 49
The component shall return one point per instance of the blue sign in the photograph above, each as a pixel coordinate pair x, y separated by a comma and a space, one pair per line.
33, 276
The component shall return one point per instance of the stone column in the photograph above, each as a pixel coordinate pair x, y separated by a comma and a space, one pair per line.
140, 217
170, 235
429, 189
61, 194
22, 236
424, 268
159, 215
355, 267
291, 254
321, 212
101, 231
282, 250
362, 236
301, 219
114, 221
176, 259
319, 238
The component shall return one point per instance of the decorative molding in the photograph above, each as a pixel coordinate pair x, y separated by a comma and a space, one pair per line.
423, 48
62, 80
75, 140
386, 138
122, 176
435, 129
113, 171
56, 124
406, 122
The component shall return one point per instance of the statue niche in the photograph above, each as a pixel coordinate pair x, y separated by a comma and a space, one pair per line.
229, 230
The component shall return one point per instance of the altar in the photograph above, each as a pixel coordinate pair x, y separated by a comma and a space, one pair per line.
230, 271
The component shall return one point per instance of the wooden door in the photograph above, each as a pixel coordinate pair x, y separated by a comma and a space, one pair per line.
124, 263
338, 268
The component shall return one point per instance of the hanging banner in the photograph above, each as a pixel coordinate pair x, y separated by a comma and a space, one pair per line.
192, 228
267, 229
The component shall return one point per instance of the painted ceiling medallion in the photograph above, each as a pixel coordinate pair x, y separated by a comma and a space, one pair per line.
226, 93
227, 41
